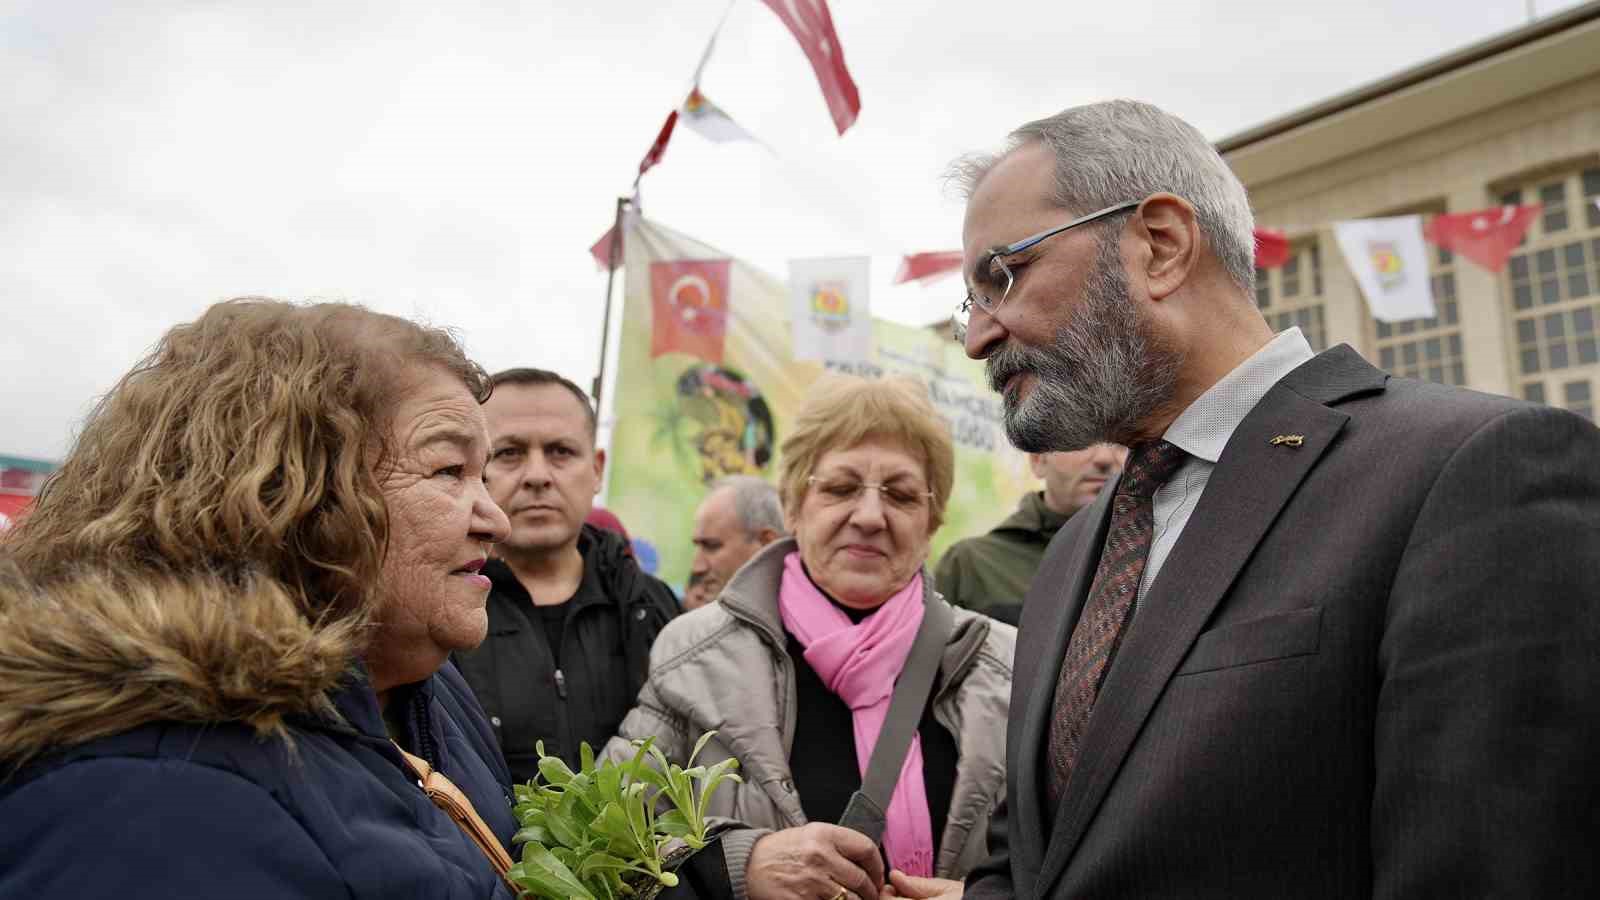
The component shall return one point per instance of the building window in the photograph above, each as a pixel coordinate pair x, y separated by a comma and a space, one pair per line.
1533, 392
1552, 289
1293, 294
1578, 398
1429, 348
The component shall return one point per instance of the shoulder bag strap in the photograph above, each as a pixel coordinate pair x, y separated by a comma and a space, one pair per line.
449, 798
866, 811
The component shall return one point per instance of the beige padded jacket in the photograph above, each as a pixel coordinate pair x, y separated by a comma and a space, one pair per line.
724, 668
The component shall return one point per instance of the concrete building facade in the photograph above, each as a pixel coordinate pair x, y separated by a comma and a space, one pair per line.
1515, 119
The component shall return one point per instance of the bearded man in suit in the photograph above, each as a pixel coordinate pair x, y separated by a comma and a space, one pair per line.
1332, 633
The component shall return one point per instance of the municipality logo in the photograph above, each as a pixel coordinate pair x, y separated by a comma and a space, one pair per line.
1387, 263
830, 306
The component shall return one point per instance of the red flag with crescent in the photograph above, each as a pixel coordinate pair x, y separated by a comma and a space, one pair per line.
689, 307
1485, 236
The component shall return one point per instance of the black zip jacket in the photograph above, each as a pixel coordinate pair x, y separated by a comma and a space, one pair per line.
605, 655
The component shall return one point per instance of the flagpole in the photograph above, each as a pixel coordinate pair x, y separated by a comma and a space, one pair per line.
611, 276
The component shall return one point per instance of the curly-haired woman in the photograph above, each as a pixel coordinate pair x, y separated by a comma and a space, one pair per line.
231, 610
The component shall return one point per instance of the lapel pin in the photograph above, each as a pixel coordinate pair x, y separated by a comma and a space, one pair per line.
1288, 440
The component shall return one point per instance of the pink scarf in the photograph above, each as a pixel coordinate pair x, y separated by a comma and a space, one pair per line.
859, 663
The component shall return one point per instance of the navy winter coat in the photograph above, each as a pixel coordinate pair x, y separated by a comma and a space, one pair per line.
167, 810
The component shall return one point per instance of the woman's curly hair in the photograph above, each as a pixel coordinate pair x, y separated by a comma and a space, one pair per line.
246, 444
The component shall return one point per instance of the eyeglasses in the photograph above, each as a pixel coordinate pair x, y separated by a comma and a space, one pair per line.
992, 267
845, 491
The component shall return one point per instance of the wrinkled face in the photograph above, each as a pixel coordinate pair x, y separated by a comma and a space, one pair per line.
1072, 479
721, 545
863, 549
441, 524
1069, 352
544, 471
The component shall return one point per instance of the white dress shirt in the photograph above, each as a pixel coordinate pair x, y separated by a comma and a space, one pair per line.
1203, 430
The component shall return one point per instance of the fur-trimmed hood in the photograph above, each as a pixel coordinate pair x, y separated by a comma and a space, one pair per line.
96, 654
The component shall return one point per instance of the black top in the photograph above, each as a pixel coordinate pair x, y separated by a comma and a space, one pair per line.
551, 619
824, 764
572, 679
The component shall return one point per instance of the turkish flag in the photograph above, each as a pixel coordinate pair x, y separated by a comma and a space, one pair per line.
922, 266
601, 251
1272, 248
689, 307
12, 506
659, 148
811, 25
1486, 236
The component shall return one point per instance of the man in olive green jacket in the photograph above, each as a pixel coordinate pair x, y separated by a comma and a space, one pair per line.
990, 573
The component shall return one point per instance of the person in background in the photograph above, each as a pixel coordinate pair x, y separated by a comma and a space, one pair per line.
231, 611
600, 517
740, 515
698, 592
571, 616
991, 572
796, 664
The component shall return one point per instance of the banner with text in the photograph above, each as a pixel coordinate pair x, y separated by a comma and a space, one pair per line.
707, 385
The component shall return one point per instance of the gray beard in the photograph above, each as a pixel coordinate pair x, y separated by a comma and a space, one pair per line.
1106, 373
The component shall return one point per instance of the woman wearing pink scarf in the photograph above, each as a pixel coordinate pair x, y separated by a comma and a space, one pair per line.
794, 666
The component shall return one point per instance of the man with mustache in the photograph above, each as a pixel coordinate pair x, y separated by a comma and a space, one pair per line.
571, 616
1333, 634
991, 572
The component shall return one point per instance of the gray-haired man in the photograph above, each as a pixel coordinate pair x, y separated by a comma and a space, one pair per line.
1332, 634
741, 515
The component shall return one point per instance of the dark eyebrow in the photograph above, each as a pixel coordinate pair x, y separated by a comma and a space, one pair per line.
983, 273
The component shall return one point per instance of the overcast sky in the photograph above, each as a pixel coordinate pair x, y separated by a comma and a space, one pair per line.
454, 161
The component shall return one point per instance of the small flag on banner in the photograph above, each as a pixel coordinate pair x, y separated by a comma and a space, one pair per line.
1272, 248
832, 321
928, 266
1390, 262
812, 25
710, 121
689, 307
1485, 236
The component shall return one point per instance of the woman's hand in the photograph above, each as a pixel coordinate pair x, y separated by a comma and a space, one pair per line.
909, 886
817, 861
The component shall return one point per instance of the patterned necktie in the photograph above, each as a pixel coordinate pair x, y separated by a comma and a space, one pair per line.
1111, 598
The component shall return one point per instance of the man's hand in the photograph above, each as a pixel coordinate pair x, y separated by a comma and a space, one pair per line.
909, 886
814, 861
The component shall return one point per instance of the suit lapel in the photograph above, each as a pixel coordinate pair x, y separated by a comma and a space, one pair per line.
1249, 486
1051, 606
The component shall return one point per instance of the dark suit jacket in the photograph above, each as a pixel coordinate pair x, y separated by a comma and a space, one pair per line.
1369, 667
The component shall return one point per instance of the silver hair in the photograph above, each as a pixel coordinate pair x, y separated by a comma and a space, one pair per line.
1119, 150
756, 502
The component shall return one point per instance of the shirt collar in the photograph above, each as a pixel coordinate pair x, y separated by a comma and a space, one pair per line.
1203, 429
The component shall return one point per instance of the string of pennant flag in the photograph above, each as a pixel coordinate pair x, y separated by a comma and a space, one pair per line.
812, 26
1387, 256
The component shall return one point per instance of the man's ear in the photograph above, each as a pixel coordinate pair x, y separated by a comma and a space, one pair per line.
767, 536
1036, 464
1172, 235
599, 470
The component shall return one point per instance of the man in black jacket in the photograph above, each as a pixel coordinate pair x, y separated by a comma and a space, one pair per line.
571, 616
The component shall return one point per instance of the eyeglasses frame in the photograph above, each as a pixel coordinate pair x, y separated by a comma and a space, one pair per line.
880, 487
997, 254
